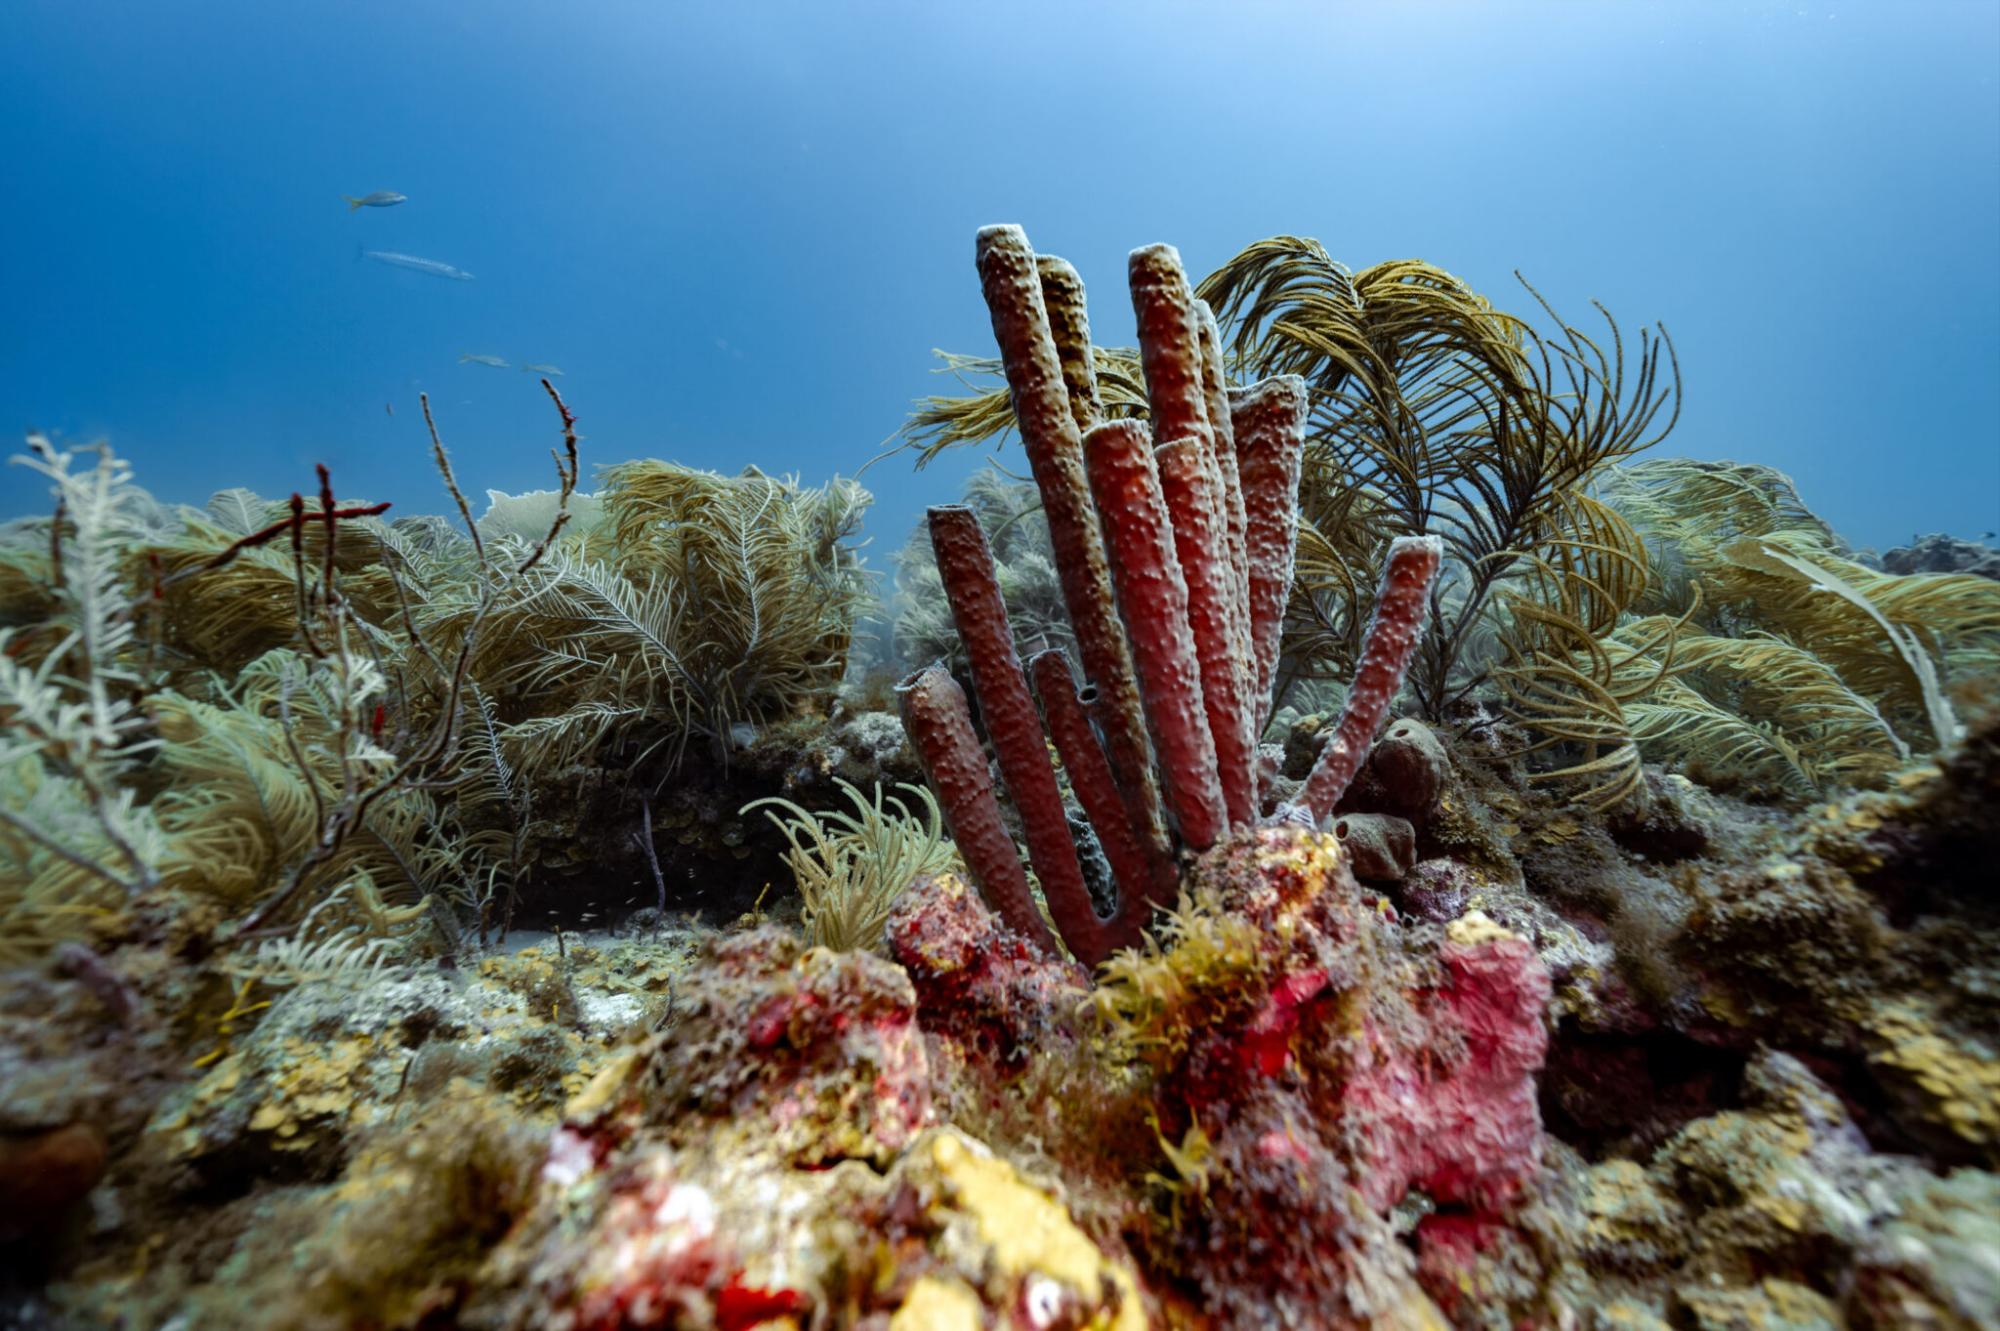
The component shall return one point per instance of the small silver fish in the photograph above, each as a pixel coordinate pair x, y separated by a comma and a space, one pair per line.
416, 265
555, 370
475, 358
381, 198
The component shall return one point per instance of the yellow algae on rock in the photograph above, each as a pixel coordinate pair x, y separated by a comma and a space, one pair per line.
1771, 1305
1626, 1315
1957, 1085
306, 1094
938, 1305
1730, 1159
316, 1083
1150, 998
605, 1088
1476, 927
1628, 1219
1030, 1240
543, 981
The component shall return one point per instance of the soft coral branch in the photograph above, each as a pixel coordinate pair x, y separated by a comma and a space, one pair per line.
327, 617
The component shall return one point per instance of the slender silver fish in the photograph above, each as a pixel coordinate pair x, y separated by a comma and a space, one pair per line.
555, 370
381, 198
476, 358
416, 265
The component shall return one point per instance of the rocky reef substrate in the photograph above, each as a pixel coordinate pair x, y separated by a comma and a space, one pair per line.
1484, 1060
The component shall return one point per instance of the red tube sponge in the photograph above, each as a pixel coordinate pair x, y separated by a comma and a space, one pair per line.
1144, 880
1201, 542
1152, 600
1270, 431
939, 724
966, 566
1013, 283
1393, 631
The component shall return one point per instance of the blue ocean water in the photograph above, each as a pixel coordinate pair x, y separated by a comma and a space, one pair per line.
741, 229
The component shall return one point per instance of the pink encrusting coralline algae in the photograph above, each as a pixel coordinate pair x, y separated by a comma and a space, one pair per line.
1305, 1073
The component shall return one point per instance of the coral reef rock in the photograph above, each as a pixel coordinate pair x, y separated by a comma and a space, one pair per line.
1381, 848
770, 1160
1942, 553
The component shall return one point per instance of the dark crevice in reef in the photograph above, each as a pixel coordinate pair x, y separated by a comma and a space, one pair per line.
1943, 858
1869, 1104
1656, 828
1623, 1095
592, 873
710, 859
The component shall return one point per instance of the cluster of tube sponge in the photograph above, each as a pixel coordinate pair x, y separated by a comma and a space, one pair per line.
1174, 548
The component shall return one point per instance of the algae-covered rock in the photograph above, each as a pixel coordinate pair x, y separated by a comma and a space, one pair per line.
324, 1061
1785, 1183
1673, 820
1769, 1305
1313, 1069
1777, 1213
1010, 1245
1941, 552
1936, 1263
1849, 933
815, 1052
1631, 1224
1406, 771
1381, 848
84, 1059
397, 1239
1623, 1315
804, 759
979, 985
321, 1063
1946, 1090
950, 1236
364, 1136
769, 1159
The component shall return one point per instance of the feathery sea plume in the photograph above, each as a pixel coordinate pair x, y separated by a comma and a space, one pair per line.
850, 867
703, 602
72, 835
1804, 671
